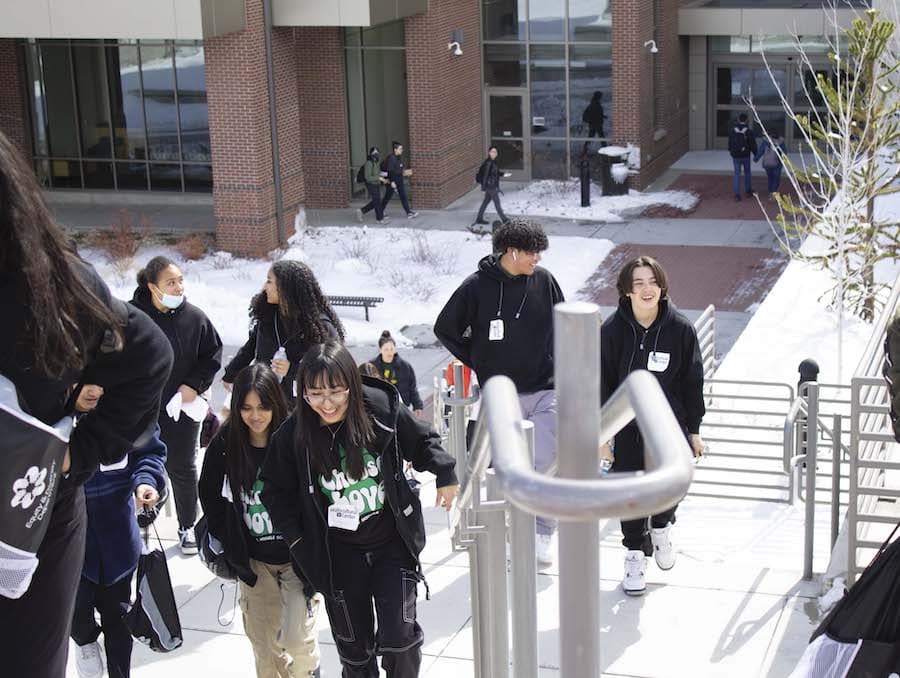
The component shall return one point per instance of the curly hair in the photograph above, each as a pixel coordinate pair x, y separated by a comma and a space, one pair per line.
527, 236
301, 303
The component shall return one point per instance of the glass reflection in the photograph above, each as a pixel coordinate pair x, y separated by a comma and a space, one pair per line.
190, 70
590, 20
548, 91
590, 90
504, 19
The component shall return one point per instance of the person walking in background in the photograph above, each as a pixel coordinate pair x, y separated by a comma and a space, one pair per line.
279, 607
396, 371
371, 174
489, 178
112, 549
198, 356
61, 326
741, 145
286, 318
396, 175
334, 486
772, 156
500, 321
647, 332
595, 116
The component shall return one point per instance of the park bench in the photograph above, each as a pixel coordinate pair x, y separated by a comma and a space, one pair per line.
365, 302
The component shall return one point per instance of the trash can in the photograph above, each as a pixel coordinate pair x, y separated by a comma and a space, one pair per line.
614, 179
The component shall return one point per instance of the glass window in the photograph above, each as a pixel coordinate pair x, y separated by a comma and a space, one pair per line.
165, 177
585, 149
93, 106
504, 65
806, 87
733, 44
590, 20
198, 178
772, 121
131, 176
547, 20
126, 102
60, 103
65, 173
548, 90
158, 77
733, 85
549, 159
98, 175
510, 154
504, 19
385, 35
590, 90
190, 72
506, 116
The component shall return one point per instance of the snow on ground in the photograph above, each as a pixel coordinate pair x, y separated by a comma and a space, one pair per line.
563, 199
415, 271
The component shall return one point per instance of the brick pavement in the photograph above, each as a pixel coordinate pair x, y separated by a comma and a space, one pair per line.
716, 198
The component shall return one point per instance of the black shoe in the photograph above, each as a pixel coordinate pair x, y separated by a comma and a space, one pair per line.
737, 198
749, 193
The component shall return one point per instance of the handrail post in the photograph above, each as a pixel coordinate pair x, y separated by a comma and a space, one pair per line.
495, 582
523, 571
812, 447
458, 420
835, 478
577, 366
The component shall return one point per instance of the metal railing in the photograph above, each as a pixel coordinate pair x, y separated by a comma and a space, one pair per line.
577, 497
705, 326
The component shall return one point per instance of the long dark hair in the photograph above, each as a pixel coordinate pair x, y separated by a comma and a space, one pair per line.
301, 303
258, 378
330, 366
64, 316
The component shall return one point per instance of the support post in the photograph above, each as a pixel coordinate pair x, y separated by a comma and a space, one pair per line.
523, 568
836, 479
812, 448
498, 601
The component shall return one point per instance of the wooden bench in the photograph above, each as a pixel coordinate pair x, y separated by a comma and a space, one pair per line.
365, 302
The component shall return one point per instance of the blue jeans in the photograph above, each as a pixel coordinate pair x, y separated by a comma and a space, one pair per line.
745, 164
773, 174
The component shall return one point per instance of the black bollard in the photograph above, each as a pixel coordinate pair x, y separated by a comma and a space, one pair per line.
585, 172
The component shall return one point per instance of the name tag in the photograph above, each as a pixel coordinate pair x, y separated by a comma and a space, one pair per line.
658, 362
343, 516
495, 333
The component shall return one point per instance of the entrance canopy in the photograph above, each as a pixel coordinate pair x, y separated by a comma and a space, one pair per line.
761, 17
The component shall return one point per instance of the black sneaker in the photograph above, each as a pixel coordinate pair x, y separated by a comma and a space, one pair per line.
188, 541
412, 215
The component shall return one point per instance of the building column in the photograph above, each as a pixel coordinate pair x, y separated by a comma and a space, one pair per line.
444, 95
13, 120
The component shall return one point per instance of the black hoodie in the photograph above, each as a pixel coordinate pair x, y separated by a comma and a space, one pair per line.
404, 379
195, 343
296, 505
525, 305
625, 346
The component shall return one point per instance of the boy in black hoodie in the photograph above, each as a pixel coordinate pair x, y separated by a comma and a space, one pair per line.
507, 305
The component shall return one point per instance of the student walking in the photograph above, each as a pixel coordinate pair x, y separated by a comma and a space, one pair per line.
647, 332
371, 174
334, 486
279, 607
396, 174
198, 356
741, 145
286, 318
500, 321
61, 326
489, 178
772, 156
595, 116
396, 371
112, 549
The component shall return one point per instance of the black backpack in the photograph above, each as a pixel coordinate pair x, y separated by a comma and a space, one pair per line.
361, 174
738, 144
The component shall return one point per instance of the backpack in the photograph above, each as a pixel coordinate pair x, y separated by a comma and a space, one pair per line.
738, 145
479, 175
384, 164
361, 173
770, 158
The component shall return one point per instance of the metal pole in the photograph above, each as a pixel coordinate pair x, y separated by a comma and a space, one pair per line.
498, 602
476, 606
835, 479
458, 419
273, 123
524, 585
577, 358
486, 614
852, 497
812, 446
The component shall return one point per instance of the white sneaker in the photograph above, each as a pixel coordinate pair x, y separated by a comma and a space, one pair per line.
543, 549
188, 541
359, 215
634, 583
663, 551
88, 660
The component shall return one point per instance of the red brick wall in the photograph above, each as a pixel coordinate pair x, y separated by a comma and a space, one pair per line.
13, 122
635, 73
322, 93
444, 95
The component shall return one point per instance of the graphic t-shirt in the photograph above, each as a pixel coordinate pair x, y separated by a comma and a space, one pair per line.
366, 495
388, 373
265, 543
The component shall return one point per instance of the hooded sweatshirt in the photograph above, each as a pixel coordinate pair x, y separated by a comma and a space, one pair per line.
523, 305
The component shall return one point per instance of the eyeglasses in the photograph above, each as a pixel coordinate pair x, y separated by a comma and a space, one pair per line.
335, 397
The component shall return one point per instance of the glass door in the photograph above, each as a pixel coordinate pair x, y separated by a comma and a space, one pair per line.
506, 112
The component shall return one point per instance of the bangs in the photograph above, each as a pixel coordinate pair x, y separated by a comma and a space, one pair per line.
324, 374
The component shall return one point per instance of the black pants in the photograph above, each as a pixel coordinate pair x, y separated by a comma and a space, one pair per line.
34, 629
629, 455
181, 439
111, 602
401, 191
387, 575
374, 201
491, 195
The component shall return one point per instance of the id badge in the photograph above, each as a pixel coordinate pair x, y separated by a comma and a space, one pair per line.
658, 362
495, 333
343, 516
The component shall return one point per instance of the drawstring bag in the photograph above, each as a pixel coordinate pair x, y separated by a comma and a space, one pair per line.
153, 618
33, 454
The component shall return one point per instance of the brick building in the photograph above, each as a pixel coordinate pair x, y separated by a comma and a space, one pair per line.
122, 96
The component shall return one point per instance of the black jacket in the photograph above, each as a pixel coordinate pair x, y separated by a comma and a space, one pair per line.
296, 508
195, 343
490, 175
132, 378
395, 166
625, 346
263, 343
524, 304
406, 379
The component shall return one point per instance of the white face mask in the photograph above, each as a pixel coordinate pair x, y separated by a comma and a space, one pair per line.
171, 301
